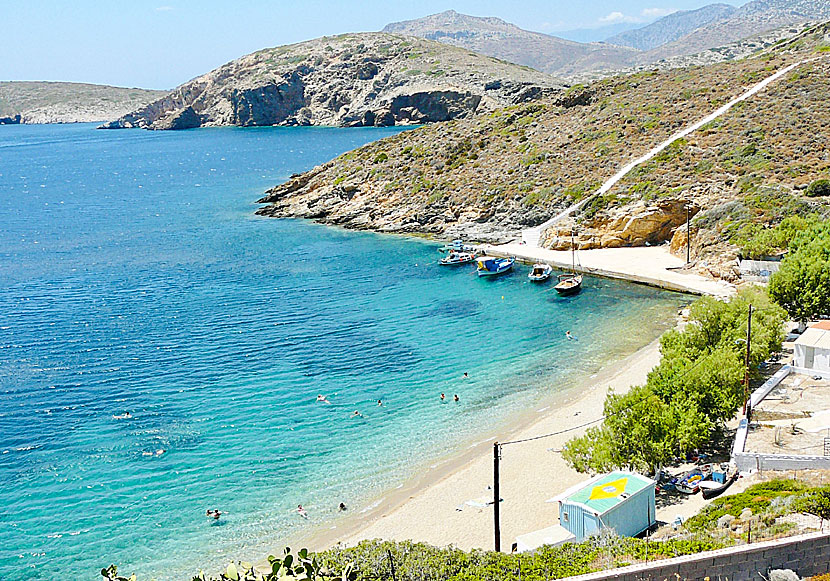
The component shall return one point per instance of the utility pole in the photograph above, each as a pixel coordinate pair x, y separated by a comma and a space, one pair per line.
688, 236
497, 526
746, 358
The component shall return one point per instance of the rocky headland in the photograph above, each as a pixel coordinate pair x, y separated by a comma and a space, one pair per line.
490, 176
365, 79
56, 102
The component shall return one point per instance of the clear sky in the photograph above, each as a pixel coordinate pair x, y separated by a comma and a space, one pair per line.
161, 44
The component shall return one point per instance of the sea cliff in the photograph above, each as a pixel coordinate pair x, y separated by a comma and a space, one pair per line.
366, 79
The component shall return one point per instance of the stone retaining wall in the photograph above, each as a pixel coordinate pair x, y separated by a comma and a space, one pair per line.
805, 554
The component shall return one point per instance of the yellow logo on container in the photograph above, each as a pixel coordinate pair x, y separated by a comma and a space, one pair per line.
609, 490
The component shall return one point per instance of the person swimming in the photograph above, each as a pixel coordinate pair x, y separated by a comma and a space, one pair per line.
442, 397
301, 511
341, 507
380, 403
569, 336
356, 414
323, 399
455, 398
214, 513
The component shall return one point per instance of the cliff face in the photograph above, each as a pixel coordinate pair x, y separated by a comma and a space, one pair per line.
350, 80
50, 102
489, 177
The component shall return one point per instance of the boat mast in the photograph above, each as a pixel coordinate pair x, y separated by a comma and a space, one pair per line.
573, 254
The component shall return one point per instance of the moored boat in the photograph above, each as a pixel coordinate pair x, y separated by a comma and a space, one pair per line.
491, 265
711, 489
570, 283
457, 246
540, 272
689, 483
455, 258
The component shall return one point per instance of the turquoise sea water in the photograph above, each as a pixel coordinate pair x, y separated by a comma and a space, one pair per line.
135, 278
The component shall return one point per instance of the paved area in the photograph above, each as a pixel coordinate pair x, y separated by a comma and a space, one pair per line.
651, 265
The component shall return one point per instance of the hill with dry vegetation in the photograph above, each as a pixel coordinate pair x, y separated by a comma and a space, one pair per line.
360, 79
53, 102
490, 176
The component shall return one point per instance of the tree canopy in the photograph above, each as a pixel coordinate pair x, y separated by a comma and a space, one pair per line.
694, 389
802, 284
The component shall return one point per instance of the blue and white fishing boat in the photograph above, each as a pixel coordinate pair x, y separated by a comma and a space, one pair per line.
491, 265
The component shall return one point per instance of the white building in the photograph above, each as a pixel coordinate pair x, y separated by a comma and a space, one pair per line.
812, 349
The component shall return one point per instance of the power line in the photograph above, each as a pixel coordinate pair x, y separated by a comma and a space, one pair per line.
681, 376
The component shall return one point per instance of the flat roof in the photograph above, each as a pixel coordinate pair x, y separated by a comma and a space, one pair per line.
604, 493
815, 336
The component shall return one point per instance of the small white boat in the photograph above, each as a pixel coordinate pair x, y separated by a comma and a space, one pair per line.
455, 258
491, 265
457, 246
540, 272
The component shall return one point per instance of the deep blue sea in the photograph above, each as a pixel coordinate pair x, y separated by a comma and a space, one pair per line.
135, 278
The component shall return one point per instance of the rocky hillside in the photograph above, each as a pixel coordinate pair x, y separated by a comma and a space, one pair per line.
497, 38
753, 18
717, 27
50, 102
671, 27
349, 80
489, 177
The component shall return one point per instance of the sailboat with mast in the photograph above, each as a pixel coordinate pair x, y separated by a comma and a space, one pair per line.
570, 283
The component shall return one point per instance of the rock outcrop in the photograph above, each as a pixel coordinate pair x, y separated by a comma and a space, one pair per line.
366, 79
637, 224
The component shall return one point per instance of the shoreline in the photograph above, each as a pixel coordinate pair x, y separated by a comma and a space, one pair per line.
649, 265
426, 507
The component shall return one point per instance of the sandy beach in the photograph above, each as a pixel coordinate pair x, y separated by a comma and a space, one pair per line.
432, 508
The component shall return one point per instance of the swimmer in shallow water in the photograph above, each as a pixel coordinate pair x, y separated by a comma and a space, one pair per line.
323, 399
357, 414
342, 507
569, 336
442, 397
301, 511
455, 397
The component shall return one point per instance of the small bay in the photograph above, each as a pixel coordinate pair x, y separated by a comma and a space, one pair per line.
162, 349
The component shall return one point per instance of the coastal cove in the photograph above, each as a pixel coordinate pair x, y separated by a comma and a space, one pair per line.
137, 279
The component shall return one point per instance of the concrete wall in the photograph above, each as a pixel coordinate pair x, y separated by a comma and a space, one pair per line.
804, 554
748, 461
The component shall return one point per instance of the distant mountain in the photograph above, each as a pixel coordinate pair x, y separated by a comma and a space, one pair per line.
749, 20
360, 79
680, 34
672, 27
53, 102
495, 37
598, 34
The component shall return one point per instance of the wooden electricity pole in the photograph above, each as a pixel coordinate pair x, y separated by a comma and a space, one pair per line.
497, 526
688, 237
746, 358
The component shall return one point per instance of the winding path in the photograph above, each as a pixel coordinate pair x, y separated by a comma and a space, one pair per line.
531, 236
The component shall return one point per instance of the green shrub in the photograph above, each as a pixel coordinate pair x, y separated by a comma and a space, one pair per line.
819, 188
